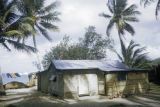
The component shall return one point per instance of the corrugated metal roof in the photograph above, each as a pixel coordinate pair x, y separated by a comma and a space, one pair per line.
104, 65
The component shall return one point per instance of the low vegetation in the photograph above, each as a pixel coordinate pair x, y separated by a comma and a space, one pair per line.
91, 46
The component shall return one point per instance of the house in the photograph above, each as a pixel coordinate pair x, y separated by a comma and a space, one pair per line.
76, 78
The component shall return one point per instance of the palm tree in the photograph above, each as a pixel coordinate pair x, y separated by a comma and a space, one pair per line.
121, 15
133, 56
147, 2
12, 28
43, 17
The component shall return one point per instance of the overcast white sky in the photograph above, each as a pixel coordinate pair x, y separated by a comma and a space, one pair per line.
76, 16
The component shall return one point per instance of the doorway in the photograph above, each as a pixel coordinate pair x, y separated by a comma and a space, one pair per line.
83, 85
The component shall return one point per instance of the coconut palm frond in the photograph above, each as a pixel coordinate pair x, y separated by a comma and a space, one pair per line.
139, 60
111, 5
119, 56
132, 45
41, 17
27, 20
157, 8
21, 47
105, 15
26, 28
24, 25
4, 45
50, 17
5, 15
13, 33
10, 4
44, 33
120, 5
146, 2
37, 4
138, 52
129, 28
134, 56
130, 48
49, 25
49, 8
109, 27
131, 19
13, 27
131, 11
6, 10
20, 5
11, 17
121, 15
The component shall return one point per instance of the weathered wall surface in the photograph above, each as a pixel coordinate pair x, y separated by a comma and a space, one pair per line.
70, 85
101, 84
73, 85
51, 82
111, 84
93, 84
43, 82
136, 83
56, 86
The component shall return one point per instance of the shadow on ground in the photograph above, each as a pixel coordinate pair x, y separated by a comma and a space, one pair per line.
37, 99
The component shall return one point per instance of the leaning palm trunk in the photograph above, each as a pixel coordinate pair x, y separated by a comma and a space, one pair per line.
120, 39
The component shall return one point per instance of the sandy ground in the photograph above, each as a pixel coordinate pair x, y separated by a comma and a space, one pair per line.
21, 91
29, 97
16, 95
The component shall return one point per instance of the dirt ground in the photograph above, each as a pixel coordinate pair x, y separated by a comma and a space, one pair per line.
31, 98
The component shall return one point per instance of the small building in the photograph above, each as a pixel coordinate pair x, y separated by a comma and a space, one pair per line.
76, 78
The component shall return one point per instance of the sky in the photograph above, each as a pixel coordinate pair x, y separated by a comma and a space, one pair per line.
76, 15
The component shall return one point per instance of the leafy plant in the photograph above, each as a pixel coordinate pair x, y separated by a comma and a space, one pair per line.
134, 56
43, 17
148, 2
91, 46
121, 15
12, 28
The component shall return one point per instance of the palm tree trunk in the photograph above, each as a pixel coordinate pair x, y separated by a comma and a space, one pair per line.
122, 46
120, 38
